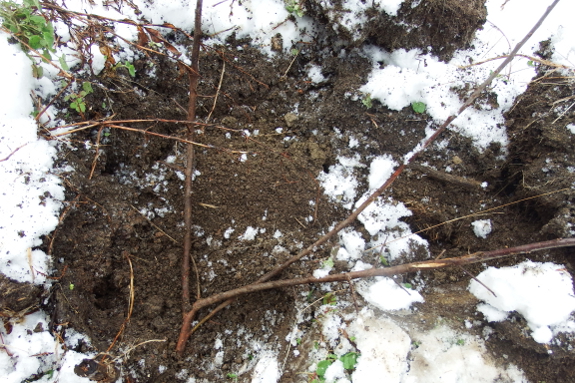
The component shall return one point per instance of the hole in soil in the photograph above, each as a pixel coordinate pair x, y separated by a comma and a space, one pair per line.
104, 293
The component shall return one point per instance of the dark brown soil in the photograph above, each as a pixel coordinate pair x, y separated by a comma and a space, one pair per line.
271, 189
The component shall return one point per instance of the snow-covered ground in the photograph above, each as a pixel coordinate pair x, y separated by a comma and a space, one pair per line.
32, 194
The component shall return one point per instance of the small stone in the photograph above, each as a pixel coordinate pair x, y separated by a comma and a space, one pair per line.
290, 119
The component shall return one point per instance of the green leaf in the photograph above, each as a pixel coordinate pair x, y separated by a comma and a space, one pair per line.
383, 260
71, 286
131, 69
329, 299
13, 28
407, 285
63, 62
46, 54
366, 101
418, 107
349, 360
48, 39
32, 3
38, 20
322, 367
87, 87
35, 42
82, 106
328, 263
530, 63
37, 71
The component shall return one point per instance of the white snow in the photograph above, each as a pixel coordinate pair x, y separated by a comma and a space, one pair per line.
482, 227
267, 369
386, 295
31, 194
315, 75
384, 347
380, 169
249, 235
541, 292
340, 183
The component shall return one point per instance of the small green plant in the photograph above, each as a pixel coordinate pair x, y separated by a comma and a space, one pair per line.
383, 260
128, 65
418, 107
407, 285
78, 102
156, 46
501, 77
328, 263
309, 296
27, 24
232, 376
367, 101
460, 342
329, 299
294, 7
323, 365
348, 360
71, 286
298, 341
415, 344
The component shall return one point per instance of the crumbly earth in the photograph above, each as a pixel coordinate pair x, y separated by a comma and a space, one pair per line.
268, 181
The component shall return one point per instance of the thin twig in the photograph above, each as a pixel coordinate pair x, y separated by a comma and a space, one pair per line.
386, 272
154, 225
217, 91
442, 176
479, 213
477, 280
194, 78
540, 61
130, 305
14, 151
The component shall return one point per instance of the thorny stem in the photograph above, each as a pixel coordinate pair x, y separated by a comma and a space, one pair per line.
194, 76
263, 284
